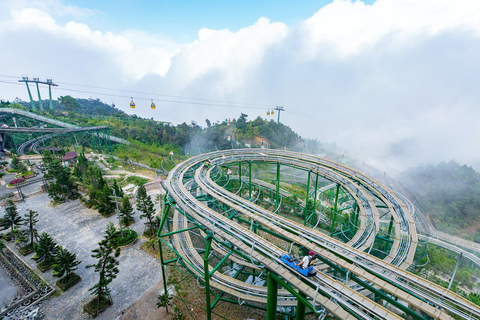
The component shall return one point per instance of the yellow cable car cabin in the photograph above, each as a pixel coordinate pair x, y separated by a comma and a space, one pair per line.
152, 105
268, 112
132, 104
272, 113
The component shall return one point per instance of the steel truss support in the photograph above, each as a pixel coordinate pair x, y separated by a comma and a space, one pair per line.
334, 211
277, 193
305, 211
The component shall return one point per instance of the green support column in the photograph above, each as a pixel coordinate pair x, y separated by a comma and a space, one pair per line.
166, 209
31, 99
300, 308
50, 96
272, 297
249, 180
390, 226
207, 276
277, 195
306, 201
315, 194
39, 98
240, 172
334, 210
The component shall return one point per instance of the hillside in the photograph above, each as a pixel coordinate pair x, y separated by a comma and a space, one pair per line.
450, 193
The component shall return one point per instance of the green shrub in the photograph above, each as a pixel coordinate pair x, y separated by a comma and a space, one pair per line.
137, 180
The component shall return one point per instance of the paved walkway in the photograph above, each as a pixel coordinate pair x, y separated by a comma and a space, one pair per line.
79, 229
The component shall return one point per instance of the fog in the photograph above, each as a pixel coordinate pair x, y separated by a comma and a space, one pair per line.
391, 83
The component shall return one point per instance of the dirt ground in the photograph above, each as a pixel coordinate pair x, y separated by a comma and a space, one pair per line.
146, 306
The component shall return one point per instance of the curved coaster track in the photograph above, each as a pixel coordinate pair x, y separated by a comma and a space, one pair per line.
212, 228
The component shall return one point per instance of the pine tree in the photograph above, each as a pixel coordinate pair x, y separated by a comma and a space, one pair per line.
118, 190
107, 254
65, 263
45, 249
141, 197
11, 218
148, 210
31, 221
106, 205
126, 211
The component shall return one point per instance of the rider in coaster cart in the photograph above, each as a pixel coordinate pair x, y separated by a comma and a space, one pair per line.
207, 163
307, 260
304, 267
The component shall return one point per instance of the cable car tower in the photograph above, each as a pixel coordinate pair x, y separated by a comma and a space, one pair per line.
37, 81
278, 108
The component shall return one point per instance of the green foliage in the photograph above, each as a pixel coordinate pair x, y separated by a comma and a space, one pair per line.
16, 164
139, 181
117, 189
11, 218
164, 301
126, 212
106, 205
60, 182
145, 205
107, 254
129, 236
45, 249
450, 193
65, 263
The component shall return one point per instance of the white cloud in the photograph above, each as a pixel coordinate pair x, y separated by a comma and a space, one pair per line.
395, 80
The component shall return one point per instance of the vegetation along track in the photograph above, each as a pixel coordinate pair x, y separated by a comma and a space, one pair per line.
191, 183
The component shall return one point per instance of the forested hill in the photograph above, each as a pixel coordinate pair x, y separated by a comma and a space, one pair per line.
190, 137
450, 193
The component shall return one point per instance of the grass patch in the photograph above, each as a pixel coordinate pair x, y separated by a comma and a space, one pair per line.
137, 180
129, 236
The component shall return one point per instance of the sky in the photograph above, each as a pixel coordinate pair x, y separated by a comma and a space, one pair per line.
389, 81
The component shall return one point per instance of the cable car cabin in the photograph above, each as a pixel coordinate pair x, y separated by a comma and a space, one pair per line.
113, 104
207, 163
152, 105
272, 113
292, 262
132, 104
268, 112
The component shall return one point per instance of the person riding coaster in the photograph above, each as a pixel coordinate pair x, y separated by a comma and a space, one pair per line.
304, 267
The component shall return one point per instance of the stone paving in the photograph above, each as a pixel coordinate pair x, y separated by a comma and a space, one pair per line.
79, 229
9, 289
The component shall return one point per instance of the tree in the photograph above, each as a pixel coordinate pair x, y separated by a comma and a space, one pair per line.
164, 301
107, 264
65, 263
16, 164
45, 249
68, 102
61, 186
31, 220
141, 197
126, 212
118, 190
106, 205
148, 210
12, 218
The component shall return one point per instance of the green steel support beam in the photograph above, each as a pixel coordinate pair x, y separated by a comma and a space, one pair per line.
315, 194
334, 210
39, 98
178, 231
208, 240
220, 263
305, 211
50, 96
34, 107
277, 193
249, 181
217, 299
272, 297
300, 308
240, 172
390, 226
171, 260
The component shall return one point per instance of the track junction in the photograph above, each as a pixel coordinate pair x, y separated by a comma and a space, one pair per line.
226, 234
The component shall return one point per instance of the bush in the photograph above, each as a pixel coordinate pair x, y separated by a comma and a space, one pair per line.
129, 236
16, 181
137, 180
